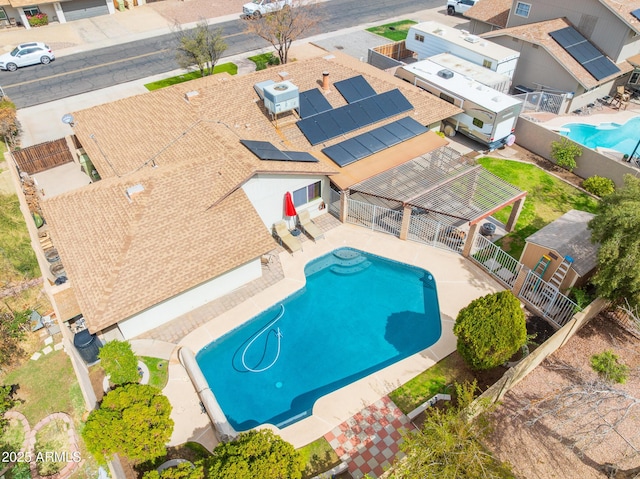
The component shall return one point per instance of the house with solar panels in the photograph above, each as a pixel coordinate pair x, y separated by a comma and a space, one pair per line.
194, 180
579, 48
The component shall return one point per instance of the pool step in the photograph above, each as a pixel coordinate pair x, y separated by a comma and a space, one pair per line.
346, 270
346, 254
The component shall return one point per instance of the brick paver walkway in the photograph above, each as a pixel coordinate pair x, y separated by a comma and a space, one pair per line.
369, 441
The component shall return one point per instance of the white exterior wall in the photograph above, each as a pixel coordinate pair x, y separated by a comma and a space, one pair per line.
188, 301
266, 193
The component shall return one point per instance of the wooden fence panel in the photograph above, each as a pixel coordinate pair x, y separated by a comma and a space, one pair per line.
42, 157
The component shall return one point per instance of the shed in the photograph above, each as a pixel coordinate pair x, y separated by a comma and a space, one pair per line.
566, 237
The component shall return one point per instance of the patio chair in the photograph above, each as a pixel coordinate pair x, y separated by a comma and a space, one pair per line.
285, 237
308, 226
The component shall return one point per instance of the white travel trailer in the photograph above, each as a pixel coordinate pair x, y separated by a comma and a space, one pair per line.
487, 77
489, 116
431, 38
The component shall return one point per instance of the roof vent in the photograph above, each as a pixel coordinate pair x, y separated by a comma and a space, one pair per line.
190, 95
464, 32
134, 190
446, 74
472, 38
439, 31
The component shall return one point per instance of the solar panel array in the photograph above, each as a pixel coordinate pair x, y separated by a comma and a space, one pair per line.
636, 13
584, 53
355, 89
312, 102
361, 146
339, 121
266, 151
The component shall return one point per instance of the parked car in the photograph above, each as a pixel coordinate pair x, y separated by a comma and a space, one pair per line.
459, 6
258, 8
26, 54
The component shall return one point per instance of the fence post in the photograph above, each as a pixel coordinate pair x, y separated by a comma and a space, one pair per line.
344, 206
406, 221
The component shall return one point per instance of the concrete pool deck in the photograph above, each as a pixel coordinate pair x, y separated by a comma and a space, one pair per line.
459, 282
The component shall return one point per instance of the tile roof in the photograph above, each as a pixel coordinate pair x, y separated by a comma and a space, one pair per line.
569, 235
623, 9
493, 12
538, 33
190, 221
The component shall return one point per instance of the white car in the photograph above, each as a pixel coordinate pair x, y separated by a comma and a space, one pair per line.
459, 6
26, 54
258, 8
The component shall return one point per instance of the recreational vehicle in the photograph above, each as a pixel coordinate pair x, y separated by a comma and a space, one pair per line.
431, 38
489, 116
487, 77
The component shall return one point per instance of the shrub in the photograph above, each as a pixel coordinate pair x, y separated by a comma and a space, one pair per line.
273, 60
599, 186
9, 125
490, 330
261, 65
38, 20
609, 368
119, 362
565, 153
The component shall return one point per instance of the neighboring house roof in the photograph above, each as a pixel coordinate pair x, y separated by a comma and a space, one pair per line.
493, 12
169, 213
634, 60
623, 9
570, 236
538, 34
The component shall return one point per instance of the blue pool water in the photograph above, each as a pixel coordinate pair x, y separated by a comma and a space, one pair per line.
357, 314
622, 138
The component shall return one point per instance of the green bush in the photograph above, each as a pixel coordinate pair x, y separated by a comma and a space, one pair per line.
599, 186
261, 65
565, 153
490, 330
609, 368
119, 362
273, 60
38, 20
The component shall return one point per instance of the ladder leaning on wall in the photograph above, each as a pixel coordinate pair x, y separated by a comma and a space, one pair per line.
561, 272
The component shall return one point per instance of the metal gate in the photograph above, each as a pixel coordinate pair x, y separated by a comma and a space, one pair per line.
495, 261
374, 217
78, 9
432, 232
553, 305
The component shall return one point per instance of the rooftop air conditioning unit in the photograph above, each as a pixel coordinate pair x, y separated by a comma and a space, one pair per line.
472, 38
281, 97
446, 74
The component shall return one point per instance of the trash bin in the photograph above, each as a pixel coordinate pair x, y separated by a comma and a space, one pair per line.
487, 229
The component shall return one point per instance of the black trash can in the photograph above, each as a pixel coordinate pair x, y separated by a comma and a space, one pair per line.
88, 345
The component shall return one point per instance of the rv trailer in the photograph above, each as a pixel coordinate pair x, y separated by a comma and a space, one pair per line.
431, 38
489, 116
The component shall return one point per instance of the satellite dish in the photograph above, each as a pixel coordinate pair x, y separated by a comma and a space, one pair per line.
67, 119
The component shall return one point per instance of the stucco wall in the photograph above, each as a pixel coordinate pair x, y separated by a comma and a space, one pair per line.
538, 139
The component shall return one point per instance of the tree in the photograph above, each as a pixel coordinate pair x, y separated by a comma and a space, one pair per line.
282, 27
255, 454
202, 46
616, 228
490, 330
12, 332
10, 128
132, 420
119, 362
184, 470
6, 403
449, 445
565, 153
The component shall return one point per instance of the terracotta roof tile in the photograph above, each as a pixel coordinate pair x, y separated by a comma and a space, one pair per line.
493, 12
538, 33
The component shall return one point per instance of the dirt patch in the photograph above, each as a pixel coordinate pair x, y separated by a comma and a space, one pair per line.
568, 442
96, 375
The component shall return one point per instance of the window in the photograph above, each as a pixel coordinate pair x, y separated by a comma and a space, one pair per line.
307, 194
635, 78
522, 9
447, 98
487, 64
31, 11
3, 14
419, 38
478, 123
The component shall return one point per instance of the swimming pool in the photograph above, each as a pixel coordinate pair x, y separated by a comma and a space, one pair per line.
358, 313
622, 138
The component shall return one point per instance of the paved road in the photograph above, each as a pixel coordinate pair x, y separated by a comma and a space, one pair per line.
97, 69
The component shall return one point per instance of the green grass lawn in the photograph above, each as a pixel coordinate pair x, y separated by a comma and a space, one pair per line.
47, 385
396, 31
158, 371
548, 198
18, 260
319, 456
230, 68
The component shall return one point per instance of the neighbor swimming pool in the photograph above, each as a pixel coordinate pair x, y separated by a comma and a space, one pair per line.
358, 313
622, 138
